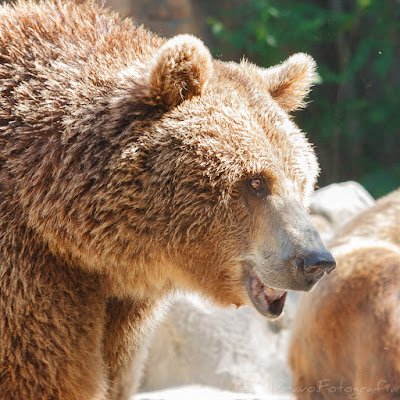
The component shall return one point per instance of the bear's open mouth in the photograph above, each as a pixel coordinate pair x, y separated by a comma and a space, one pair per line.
267, 301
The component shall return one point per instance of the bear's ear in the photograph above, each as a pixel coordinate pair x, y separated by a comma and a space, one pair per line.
290, 82
181, 69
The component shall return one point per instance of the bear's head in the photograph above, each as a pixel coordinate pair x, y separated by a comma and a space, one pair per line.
196, 178
221, 178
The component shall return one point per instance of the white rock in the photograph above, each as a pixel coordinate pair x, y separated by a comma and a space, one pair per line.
335, 205
231, 349
202, 393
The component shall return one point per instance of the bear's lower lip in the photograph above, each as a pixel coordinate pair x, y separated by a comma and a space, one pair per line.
269, 302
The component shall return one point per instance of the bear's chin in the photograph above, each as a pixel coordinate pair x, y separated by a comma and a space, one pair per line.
269, 302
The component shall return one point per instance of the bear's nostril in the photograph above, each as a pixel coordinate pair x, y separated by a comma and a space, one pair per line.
313, 265
318, 262
310, 269
314, 270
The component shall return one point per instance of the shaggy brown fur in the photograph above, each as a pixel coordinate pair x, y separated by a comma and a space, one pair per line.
125, 162
347, 332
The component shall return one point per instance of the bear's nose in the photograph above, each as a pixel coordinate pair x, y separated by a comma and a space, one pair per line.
314, 264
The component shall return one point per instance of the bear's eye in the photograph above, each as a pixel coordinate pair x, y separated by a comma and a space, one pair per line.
256, 183
257, 186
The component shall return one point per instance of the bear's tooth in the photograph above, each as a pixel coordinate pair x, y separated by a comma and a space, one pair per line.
268, 290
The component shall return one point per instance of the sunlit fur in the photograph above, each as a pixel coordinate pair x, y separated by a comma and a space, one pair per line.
347, 331
123, 167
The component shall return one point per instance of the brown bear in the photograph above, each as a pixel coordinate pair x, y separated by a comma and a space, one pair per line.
132, 167
346, 338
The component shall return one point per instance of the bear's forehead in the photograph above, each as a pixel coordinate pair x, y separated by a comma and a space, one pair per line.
235, 128
243, 80
224, 120
218, 133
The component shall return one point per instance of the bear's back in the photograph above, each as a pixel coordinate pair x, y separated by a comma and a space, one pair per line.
50, 31
58, 59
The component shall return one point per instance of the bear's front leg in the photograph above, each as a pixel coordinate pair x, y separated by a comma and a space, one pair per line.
128, 331
51, 329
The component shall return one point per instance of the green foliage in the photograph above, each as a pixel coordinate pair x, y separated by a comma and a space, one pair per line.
354, 117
